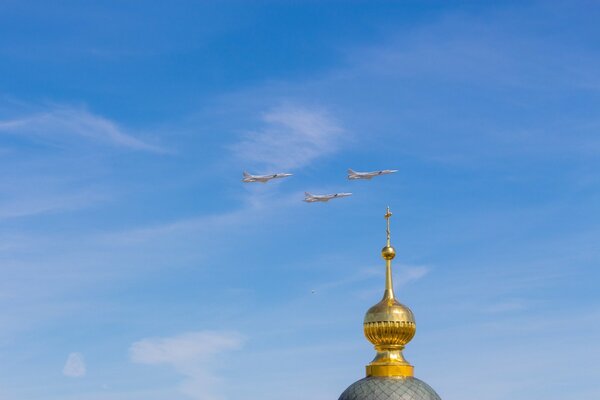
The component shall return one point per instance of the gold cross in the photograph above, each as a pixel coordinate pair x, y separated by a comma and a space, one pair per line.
388, 214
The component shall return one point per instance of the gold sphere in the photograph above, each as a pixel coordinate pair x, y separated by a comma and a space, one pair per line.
388, 253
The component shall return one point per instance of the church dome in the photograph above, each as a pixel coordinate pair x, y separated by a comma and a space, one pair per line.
389, 326
389, 388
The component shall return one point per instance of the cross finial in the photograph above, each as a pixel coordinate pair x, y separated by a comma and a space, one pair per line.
388, 215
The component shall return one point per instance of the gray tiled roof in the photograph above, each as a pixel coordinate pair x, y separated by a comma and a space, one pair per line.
376, 388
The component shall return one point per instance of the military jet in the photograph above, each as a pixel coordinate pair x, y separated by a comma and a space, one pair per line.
262, 178
313, 198
368, 175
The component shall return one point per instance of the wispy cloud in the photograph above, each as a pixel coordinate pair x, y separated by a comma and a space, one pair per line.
410, 273
59, 122
75, 366
291, 138
404, 275
45, 203
192, 355
505, 307
255, 205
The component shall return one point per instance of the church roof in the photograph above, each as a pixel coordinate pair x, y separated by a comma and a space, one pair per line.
389, 388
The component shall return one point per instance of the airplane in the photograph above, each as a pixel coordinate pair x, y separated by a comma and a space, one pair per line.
368, 175
312, 198
262, 178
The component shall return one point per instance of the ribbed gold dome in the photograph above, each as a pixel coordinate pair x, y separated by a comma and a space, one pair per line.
389, 325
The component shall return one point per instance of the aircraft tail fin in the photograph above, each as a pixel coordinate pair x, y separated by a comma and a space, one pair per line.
246, 174
351, 171
308, 194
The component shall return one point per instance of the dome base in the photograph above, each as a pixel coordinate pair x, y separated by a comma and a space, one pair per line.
390, 370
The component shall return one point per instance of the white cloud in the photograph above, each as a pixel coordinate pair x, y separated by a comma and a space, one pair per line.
292, 138
410, 273
255, 205
37, 203
402, 275
62, 121
75, 366
192, 355
505, 307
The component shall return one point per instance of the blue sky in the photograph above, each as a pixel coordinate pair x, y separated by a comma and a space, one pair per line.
135, 264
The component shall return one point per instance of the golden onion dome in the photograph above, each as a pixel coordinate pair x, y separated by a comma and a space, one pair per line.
389, 325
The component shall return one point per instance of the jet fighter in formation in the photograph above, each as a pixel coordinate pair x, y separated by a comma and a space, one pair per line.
368, 175
262, 178
313, 198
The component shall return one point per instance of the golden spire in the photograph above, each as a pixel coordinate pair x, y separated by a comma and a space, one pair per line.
388, 254
389, 325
